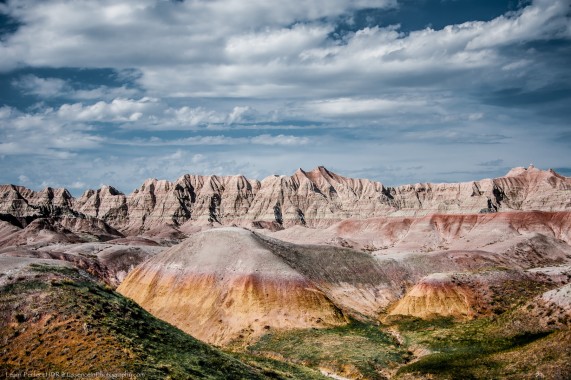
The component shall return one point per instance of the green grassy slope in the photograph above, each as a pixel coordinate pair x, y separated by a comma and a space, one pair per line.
488, 348
358, 350
57, 320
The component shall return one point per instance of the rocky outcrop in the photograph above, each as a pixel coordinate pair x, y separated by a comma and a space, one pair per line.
43, 231
437, 295
20, 205
106, 203
522, 189
318, 199
223, 285
48, 216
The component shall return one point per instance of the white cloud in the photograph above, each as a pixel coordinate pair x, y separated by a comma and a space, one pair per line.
44, 134
348, 107
263, 139
119, 109
230, 65
475, 116
279, 140
240, 114
119, 33
257, 49
5, 112
58, 88
188, 116
77, 185
284, 43
43, 87
104, 92
544, 19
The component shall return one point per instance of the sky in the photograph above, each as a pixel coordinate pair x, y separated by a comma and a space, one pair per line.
96, 92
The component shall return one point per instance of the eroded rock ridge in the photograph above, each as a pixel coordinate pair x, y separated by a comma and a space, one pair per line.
317, 198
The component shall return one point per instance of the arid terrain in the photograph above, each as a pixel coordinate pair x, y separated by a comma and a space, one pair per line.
308, 276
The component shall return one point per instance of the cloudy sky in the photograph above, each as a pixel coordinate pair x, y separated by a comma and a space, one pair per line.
116, 91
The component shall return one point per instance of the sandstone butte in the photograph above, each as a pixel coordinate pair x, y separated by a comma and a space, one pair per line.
316, 199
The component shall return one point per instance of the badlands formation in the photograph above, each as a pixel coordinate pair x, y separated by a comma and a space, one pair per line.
262, 268
315, 199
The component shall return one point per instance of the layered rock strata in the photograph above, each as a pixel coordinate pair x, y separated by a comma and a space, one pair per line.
223, 285
436, 295
495, 232
318, 198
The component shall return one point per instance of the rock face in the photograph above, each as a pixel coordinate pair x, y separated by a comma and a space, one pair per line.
436, 295
107, 204
520, 190
223, 285
318, 198
48, 216
21, 205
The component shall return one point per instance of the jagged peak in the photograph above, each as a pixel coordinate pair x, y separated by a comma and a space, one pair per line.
150, 180
111, 190
52, 192
155, 183
299, 171
554, 173
87, 193
520, 170
320, 169
320, 172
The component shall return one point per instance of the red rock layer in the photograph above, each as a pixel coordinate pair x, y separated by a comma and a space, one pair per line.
436, 232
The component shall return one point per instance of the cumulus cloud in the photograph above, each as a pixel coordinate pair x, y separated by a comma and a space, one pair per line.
119, 109
284, 43
241, 114
74, 127
190, 117
258, 49
44, 135
119, 34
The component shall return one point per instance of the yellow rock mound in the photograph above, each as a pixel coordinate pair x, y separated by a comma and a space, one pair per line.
436, 295
224, 285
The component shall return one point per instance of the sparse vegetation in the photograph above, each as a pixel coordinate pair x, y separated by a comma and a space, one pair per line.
358, 350
77, 326
481, 349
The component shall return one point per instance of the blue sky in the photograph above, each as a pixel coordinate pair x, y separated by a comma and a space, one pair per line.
114, 91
